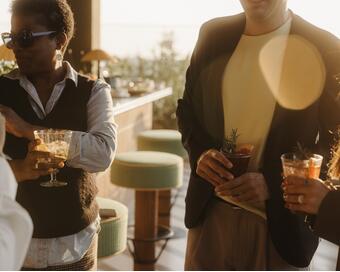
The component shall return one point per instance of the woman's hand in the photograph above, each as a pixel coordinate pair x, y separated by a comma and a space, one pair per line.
304, 195
250, 187
16, 125
213, 167
29, 169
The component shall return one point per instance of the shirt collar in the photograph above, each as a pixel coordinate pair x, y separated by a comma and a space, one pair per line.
70, 74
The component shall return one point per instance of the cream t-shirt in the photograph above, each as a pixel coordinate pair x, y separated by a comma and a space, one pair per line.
248, 102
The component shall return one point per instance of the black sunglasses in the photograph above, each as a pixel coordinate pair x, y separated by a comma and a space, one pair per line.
24, 39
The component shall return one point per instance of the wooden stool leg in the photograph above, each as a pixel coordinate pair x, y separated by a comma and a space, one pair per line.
164, 208
146, 217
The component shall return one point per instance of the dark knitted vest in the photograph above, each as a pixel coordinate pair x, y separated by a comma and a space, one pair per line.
56, 211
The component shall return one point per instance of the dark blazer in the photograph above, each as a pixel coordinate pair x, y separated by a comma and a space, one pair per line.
327, 224
201, 123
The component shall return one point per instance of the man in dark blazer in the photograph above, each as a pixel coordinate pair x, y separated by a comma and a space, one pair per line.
222, 236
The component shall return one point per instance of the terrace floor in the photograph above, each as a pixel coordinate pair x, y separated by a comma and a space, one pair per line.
173, 256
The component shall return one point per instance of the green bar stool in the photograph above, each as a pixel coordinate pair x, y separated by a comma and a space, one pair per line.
163, 140
112, 238
147, 173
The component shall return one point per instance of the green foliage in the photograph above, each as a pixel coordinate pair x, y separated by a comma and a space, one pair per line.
230, 143
170, 69
6, 66
166, 68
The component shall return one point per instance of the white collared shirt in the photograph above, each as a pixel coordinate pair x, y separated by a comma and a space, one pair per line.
92, 151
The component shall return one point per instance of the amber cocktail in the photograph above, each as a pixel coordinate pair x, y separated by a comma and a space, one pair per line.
304, 168
56, 142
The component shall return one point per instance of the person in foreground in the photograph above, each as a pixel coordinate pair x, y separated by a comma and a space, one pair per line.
226, 90
319, 199
46, 92
15, 223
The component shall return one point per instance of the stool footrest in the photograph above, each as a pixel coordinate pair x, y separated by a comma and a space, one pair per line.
163, 234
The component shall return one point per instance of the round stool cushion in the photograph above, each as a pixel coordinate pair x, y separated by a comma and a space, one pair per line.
163, 140
147, 170
112, 237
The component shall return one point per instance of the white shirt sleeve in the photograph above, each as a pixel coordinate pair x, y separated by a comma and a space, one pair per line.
15, 224
94, 150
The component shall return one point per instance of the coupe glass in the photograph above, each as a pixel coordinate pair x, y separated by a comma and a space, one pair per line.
57, 142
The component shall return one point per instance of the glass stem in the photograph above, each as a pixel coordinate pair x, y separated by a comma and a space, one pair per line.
53, 176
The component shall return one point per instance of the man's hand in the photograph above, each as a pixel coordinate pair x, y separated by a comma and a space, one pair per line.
27, 169
212, 166
302, 195
250, 187
16, 125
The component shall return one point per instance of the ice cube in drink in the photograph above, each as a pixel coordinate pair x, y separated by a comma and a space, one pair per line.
309, 168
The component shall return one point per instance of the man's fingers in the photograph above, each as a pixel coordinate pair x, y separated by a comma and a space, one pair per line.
217, 165
241, 193
229, 185
248, 196
219, 169
210, 176
206, 177
221, 190
240, 190
218, 156
214, 177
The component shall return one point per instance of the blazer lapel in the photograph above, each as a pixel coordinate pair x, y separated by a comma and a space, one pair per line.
212, 78
281, 114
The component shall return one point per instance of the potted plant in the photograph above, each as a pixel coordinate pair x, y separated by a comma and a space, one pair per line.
6, 66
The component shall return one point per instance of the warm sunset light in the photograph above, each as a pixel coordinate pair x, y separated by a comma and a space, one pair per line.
136, 26
132, 27
169, 135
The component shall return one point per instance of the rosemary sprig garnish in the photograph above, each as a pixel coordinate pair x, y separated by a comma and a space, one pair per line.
230, 143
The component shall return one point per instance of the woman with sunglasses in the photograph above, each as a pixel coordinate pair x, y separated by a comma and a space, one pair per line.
46, 92
319, 199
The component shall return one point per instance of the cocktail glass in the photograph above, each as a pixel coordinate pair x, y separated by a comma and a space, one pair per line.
57, 142
304, 168
240, 159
